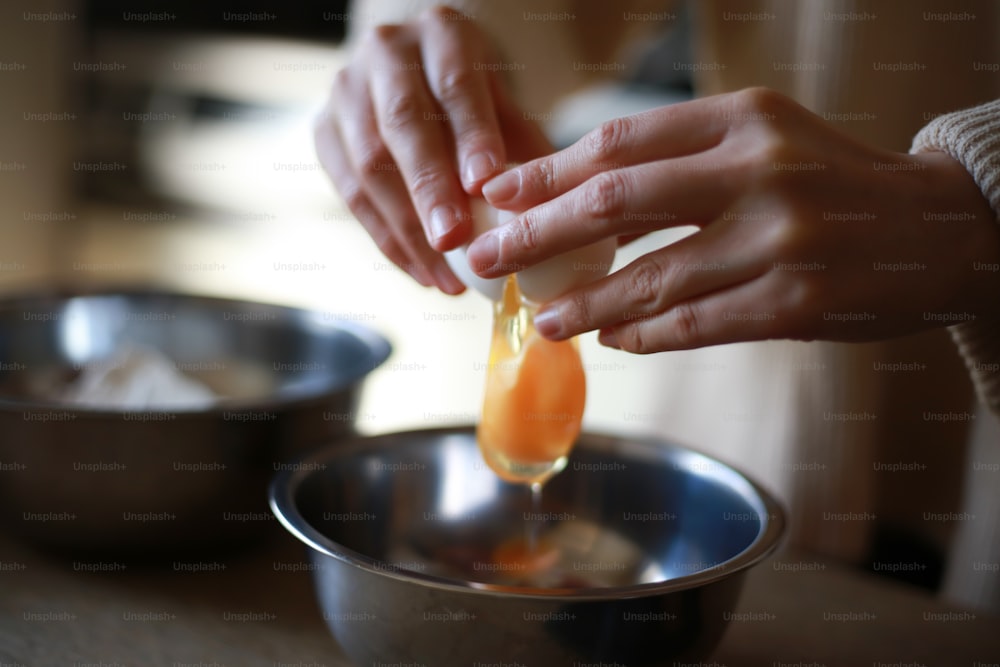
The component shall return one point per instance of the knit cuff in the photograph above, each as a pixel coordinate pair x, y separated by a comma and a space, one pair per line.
978, 342
972, 137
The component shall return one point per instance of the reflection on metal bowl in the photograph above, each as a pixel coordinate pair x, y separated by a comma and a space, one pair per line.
170, 480
633, 555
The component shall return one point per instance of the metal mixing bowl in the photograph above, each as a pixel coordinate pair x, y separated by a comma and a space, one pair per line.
158, 480
640, 550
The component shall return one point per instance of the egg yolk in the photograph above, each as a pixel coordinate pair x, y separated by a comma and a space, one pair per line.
535, 395
520, 557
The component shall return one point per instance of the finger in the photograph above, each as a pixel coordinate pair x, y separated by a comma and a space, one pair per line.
332, 157
457, 75
634, 200
657, 281
384, 191
741, 314
665, 132
408, 121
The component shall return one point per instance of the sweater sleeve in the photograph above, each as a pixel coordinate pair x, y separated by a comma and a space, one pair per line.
972, 137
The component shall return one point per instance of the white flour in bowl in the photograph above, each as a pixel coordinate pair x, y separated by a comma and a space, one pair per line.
137, 378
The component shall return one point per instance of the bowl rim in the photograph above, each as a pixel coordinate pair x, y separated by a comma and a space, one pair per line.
379, 347
281, 499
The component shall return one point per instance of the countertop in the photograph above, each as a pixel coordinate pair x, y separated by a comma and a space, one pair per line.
257, 608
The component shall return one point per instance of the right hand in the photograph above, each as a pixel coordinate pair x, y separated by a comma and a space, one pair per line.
418, 120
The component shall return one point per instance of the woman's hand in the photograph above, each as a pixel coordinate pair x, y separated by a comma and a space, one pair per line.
804, 232
418, 119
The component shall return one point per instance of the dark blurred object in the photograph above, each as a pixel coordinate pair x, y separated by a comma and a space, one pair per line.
900, 554
317, 20
167, 481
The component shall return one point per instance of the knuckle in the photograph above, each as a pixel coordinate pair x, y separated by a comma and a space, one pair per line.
454, 84
777, 148
609, 140
400, 111
787, 238
383, 35
541, 174
341, 82
582, 312
687, 324
804, 296
632, 338
798, 302
527, 233
762, 100
374, 160
475, 137
423, 184
547, 175
605, 195
355, 199
645, 284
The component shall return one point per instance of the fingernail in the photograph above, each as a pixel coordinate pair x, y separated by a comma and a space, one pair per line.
478, 167
502, 188
548, 323
608, 338
484, 252
443, 220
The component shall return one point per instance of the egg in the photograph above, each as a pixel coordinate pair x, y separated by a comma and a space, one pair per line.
535, 388
535, 396
541, 282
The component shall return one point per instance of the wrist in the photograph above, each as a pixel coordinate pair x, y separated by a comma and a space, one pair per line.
951, 197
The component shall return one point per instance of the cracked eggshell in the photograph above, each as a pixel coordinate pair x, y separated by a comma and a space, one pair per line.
563, 273
484, 217
543, 281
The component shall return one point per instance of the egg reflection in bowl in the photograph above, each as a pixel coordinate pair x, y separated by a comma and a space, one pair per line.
635, 555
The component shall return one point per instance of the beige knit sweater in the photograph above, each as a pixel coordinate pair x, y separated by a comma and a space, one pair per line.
972, 136
816, 422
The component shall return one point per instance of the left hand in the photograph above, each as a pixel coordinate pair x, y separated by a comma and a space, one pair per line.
805, 233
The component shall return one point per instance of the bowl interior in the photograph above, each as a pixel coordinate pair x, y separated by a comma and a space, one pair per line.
245, 352
624, 513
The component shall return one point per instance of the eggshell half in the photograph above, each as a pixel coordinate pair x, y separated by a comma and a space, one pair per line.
543, 281
484, 217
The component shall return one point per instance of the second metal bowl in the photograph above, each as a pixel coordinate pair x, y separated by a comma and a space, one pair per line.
165, 480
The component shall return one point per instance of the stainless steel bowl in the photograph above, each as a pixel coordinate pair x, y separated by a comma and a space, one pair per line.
640, 549
159, 480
